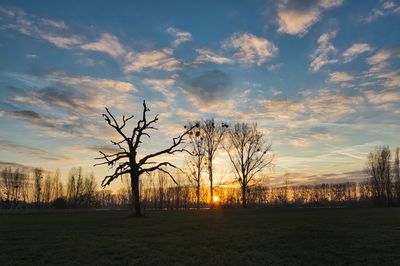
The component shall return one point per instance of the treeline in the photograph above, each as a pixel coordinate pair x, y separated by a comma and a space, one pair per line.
23, 190
39, 189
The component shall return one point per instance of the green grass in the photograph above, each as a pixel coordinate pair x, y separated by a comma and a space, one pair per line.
217, 237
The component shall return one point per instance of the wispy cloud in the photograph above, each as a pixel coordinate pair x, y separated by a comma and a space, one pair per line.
81, 94
250, 49
206, 55
108, 44
386, 8
49, 30
383, 97
65, 126
340, 77
355, 50
321, 107
323, 54
157, 59
159, 84
296, 17
61, 41
179, 36
33, 152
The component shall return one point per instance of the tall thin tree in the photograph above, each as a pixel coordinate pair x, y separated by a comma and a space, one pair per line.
213, 133
248, 153
196, 161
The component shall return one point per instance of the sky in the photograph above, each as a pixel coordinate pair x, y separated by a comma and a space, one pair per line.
321, 78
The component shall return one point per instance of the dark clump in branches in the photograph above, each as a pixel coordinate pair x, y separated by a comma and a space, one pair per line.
126, 160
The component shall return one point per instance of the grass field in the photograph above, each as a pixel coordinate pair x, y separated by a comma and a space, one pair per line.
217, 237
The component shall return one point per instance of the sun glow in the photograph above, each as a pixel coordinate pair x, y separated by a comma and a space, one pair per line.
216, 199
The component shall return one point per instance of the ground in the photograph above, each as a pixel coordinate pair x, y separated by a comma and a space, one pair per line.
205, 237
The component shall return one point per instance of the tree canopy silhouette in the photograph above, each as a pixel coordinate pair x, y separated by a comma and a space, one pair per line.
248, 153
126, 160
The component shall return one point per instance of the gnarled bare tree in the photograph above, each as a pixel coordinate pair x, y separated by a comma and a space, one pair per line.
126, 160
249, 154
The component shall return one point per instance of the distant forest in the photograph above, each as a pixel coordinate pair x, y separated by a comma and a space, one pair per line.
24, 189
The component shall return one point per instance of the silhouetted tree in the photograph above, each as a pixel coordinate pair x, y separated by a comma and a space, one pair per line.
13, 186
196, 160
37, 184
379, 169
126, 161
213, 133
249, 154
396, 170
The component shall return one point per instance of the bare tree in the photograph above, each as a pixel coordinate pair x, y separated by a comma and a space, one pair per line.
396, 170
48, 189
196, 160
213, 134
126, 161
37, 184
13, 185
58, 186
248, 153
379, 169
162, 180
75, 186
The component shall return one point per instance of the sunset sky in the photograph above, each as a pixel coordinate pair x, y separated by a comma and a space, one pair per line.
321, 78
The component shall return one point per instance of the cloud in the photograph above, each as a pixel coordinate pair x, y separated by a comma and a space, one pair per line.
356, 49
157, 59
281, 109
61, 41
340, 76
321, 107
209, 86
300, 142
108, 44
66, 126
55, 24
386, 8
92, 82
274, 67
179, 36
381, 56
296, 17
380, 71
392, 79
250, 49
159, 84
80, 94
32, 152
322, 55
209, 91
383, 97
32, 56
15, 165
207, 55
49, 30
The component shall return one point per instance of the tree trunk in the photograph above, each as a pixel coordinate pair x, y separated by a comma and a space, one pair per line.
136, 195
210, 173
198, 195
244, 201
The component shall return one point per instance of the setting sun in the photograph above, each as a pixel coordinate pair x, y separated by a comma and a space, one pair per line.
216, 199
